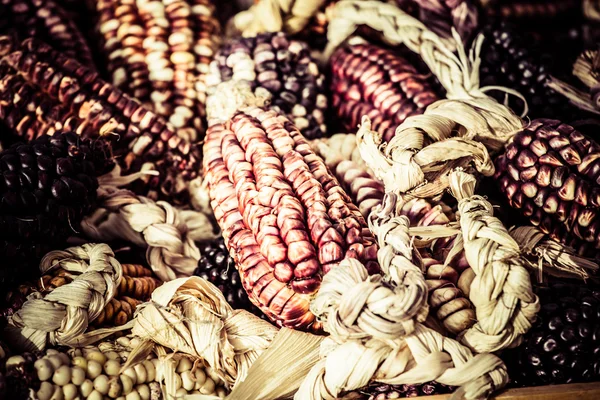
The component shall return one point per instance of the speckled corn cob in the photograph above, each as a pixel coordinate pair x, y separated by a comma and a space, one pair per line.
551, 172
284, 217
377, 82
46, 21
281, 68
42, 91
93, 372
158, 51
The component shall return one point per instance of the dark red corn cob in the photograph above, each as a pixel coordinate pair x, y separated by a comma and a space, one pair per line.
530, 9
285, 219
48, 22
551, 172
42, 91
377, 82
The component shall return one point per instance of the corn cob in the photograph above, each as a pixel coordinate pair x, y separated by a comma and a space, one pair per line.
93, 372
280, 257
218, 267
41, 91
563, 346
373, 81
158, 52
360, 184
443, 15
530, 9
384, 392
281, 68
453, 309
550, 171
508, 59
46, 21
48, 186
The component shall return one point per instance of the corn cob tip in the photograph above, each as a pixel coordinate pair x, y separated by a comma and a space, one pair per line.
231, 96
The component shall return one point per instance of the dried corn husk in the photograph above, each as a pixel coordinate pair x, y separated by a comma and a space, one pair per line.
423, 157
190, 315
548, 256
587, 70
168, 234
62, 316
290, 16
376, 331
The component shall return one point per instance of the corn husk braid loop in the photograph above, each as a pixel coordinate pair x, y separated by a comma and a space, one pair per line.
62, 316
501, 291
168, 233
361, 347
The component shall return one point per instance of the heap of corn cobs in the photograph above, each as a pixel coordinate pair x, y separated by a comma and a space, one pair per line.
105, 105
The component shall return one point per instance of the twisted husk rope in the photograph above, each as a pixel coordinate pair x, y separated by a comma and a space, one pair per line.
290, 16
501, 290
62, 316
431, 150
546, 255
168, 234
376, 330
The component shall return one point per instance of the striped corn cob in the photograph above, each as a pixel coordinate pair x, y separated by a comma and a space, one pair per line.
42, 91
159, 52
281, 68
93, 372
287, 225
47, 187
373, 81
550, 172
46, 21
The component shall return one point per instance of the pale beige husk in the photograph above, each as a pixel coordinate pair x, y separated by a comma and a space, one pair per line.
290, 16
547, 256
167, 233
62, 316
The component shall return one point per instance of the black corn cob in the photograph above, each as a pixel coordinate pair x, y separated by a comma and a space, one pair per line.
551, 172
48, 22
531, 9
374, 81
509, 59
42, 91
47, 187
218, 267
283, 68
384, 392
564, 344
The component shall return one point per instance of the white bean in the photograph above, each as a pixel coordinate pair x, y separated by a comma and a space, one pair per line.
96, 356
95, 395
46, 391
187, 380
80, 362
55, 360
208, 387
127, 384
200, 378
150, 370
58, 394
130, 372
114, 388
44, 369
77, 376
144, 391
141, 374
94, 368
101, 384
62, 375
87, 387
70, 391
133, 396
112, 367
184, 365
